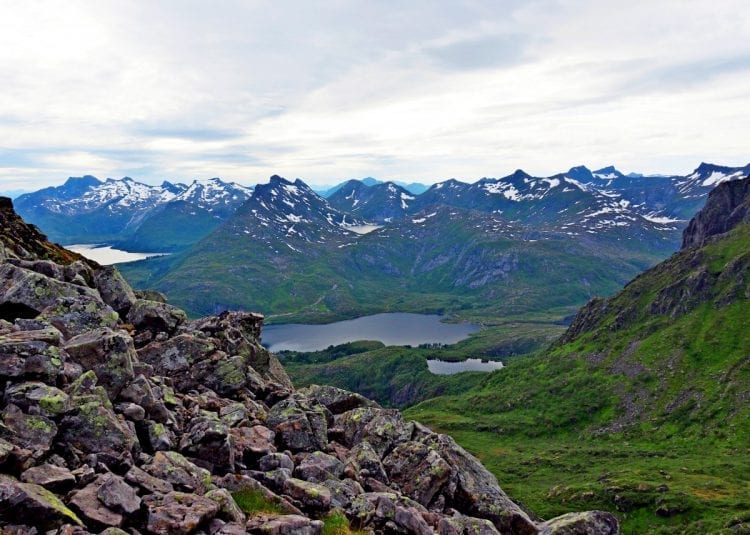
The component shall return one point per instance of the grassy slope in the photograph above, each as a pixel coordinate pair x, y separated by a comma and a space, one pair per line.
604, 422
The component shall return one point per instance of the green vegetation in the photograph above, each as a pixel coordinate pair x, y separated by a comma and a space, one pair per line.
645, 412
252, 501
336, 523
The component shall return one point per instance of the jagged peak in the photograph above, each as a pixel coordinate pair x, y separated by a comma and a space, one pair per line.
580, 172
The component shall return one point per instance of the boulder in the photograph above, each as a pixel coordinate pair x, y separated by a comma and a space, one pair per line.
283, 525
118, 495
317, 467
154, 316
228, 509
178, 513
109, 354
176, 356
177, 470
207, 438
251, 443
30, 360
32, 432
588, 523
35, 397
310, 495
465, 525
86, 501
364, 461
417, 471
31, 503
113, 289
335, 399
300, 424
74, 315
49, 476
382, 428
147, 482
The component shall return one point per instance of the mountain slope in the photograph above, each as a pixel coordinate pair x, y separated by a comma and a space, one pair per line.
130, 214
662, 368
378, 203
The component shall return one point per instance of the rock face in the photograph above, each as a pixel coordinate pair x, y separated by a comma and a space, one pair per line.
148, 424
727, 206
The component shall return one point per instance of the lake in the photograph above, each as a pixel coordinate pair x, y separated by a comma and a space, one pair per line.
106, 255
445, 367
393, 329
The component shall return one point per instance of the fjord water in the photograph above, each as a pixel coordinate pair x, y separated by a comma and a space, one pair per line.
393, 329
107, 255
446, 367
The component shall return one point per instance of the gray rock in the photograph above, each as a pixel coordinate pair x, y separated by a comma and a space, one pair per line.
27, 431
335, 399
155, 316
113, 289
109, 354
228, 509
28, 502
118, 495
311, 495
73, 316
207, 438
250, 443
148, 482
317, 467
272, 461
300, 424
364, 457
382, 428
87, 503
49, 476
35, 397
465, 525
178, 513
417, 471
30, 360
588, 523
177, 470
284, 525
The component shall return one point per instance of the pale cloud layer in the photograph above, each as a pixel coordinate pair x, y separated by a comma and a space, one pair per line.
418, 90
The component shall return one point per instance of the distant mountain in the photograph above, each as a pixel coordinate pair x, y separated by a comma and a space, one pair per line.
131, 214
13, 193
378, 203
516, 246
415, 188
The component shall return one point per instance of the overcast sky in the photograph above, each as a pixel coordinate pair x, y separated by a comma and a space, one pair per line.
329, 90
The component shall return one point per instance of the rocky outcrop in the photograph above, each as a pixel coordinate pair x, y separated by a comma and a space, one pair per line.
727, 206
118, 413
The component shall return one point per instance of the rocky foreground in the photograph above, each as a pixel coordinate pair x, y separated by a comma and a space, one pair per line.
118, 413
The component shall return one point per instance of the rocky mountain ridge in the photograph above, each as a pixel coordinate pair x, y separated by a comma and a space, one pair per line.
128, 213
120, 414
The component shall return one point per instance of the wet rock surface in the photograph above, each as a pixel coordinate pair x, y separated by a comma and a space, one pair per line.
119, 415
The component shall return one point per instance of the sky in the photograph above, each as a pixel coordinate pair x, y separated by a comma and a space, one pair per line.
404, 90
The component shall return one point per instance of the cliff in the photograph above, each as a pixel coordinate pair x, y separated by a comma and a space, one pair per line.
120, 414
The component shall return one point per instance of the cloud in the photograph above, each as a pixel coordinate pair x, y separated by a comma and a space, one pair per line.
419, 90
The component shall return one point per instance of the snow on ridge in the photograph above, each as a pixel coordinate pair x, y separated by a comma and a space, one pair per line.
661, 220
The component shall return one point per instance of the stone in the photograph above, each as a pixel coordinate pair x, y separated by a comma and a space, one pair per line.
272, 461
87, 503
364, 457
317, 467
588, 523
182, 474
178, 513
31, 360
335, 399
27, 431
113, 289
148, 482
284, 525
207, 438
49, 476
228, 509
382, 428
159, 437
299, 425
118, 495
73, 315
417, 471
311, 495
175, 358
343, 492
28, 502
155, 316
464, 525
35, 397
250, 443
109, 354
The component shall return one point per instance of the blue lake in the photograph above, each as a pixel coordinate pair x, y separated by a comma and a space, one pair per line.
393, 329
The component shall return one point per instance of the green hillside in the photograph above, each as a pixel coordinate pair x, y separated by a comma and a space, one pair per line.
647, 395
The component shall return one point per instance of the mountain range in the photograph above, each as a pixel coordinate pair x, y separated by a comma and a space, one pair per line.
513, 246
132, 215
